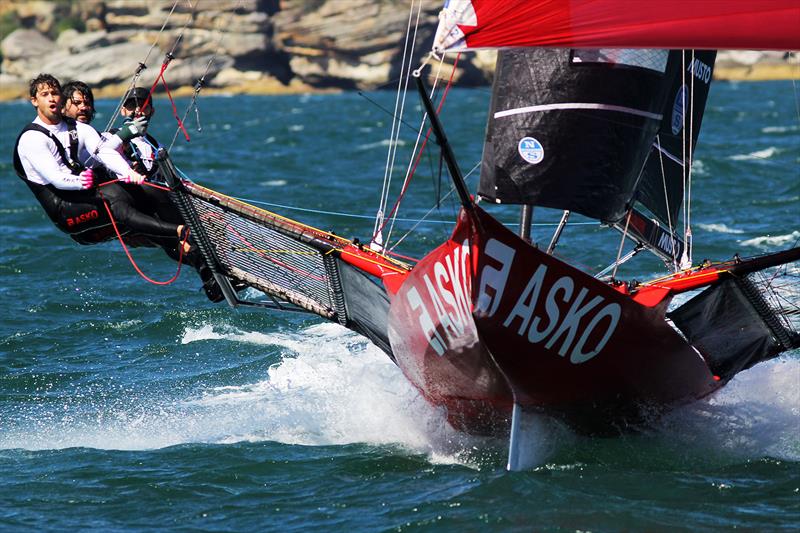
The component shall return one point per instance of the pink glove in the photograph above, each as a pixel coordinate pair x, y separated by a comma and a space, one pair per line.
87, 178
134, 177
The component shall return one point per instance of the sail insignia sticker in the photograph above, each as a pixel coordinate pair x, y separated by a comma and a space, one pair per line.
678, 109
531, 150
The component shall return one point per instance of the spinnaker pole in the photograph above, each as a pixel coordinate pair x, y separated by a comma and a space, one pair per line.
447, 150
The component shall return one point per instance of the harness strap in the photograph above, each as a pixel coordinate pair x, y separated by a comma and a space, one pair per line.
72, 162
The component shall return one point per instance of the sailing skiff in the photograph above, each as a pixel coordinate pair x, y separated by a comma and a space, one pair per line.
488, 325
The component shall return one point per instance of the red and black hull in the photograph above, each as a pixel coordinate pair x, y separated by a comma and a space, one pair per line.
487, 320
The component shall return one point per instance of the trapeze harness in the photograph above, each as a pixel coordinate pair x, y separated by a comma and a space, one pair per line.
81, 214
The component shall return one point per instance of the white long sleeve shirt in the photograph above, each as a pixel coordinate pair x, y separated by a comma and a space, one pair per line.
43, 164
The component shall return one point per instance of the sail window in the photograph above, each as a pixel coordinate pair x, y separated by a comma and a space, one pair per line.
649, 59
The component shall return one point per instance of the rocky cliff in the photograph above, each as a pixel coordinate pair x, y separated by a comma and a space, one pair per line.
263, 46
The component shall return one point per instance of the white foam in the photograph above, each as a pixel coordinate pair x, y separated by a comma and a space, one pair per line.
779, 129
699, 168
760, 154
332, 387
380, 144
756, 415
719, 228
772, 240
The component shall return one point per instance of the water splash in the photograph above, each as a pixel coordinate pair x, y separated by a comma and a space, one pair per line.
756, 415
772, 240
331, 387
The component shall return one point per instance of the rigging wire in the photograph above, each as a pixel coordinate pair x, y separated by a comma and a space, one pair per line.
685, 261
688, 240
201, 80
434, 207
666, 201
143, 64
395, 133
412, 165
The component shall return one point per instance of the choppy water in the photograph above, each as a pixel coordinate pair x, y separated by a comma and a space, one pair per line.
126, 406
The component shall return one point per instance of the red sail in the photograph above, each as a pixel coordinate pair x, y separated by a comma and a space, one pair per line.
711, 24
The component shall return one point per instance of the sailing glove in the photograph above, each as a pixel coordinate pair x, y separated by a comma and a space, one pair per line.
87, 178
133, 128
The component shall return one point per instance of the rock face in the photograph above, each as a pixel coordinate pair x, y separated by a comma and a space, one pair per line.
238, 45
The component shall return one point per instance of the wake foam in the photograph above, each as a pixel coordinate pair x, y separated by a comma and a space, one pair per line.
756, 415
332, 387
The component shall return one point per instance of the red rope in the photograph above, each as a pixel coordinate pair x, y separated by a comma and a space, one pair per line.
147, 183
174, 107
130, 257
419, 155
160, 77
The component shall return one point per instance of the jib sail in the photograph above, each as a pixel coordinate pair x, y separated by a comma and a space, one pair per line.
571, 129
667, 168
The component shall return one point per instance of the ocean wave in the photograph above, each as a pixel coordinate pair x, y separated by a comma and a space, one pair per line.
379, 144
718, 228
772, 240
273, 183
331, 387
759, 154
779, 129
756, 415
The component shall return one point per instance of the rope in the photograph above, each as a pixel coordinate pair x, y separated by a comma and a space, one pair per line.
128, 253
396, 120
201, 80
413, 166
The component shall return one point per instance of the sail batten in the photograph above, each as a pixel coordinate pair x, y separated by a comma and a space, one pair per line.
577, 105
668, 24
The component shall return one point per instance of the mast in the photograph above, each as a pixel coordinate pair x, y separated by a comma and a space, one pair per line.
525, 218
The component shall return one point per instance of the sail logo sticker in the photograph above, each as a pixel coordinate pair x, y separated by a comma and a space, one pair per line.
678, 109
531, 150
700, 70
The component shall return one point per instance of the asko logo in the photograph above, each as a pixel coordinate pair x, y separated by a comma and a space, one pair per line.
83, 217
538, 314
553, 310
449, 294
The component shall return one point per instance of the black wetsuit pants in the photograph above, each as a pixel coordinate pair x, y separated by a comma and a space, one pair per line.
83, 215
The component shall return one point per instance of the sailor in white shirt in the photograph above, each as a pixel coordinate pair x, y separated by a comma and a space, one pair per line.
55, 155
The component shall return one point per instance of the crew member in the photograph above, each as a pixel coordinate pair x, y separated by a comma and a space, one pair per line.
78, 101
55, 155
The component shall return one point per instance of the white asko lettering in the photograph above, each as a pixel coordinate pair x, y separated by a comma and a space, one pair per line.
568, 333
452, 307
700, 70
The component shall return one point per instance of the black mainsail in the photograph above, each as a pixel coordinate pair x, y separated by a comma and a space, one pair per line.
571, 129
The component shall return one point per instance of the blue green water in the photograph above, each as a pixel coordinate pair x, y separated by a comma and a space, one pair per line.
127, 406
